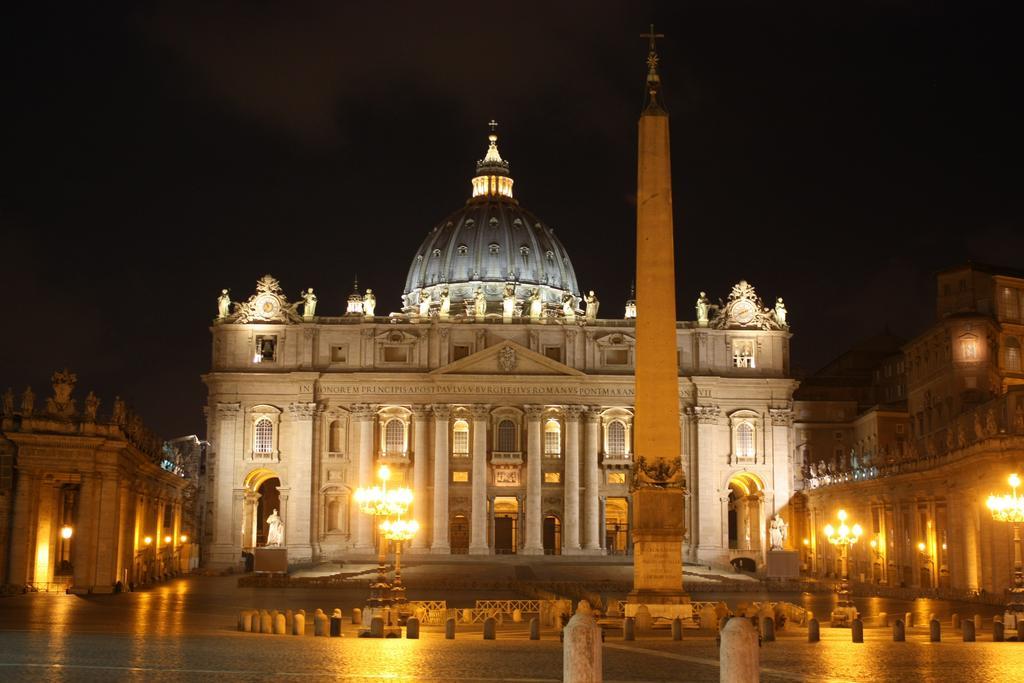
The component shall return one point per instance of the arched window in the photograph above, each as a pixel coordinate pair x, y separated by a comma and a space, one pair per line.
1012, 354
506, 436
745, 440
460, 438
335, 437
394, 436
552, 438
616, 438
263, 441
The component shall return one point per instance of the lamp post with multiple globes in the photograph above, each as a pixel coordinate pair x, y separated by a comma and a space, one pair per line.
843, 537
1010, 508
380, 501
398, 532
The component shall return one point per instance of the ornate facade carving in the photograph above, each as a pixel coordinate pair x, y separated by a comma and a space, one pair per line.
745, 310
302, 411
268, 304
781, 417
707, 414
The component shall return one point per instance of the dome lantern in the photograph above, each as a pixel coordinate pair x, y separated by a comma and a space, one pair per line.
492, 178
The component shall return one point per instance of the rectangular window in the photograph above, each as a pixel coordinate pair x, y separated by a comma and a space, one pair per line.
459, 351
552, 477
460, 477
396, 354
899, 429
553, 352
460, 442
339, 353
266, 349
743, 354
616, 357
1008, 308
552, 442
616, 477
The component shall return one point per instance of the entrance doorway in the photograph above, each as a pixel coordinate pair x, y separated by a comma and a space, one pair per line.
746, 524
506, 525
616, 526
552, 535
458, 535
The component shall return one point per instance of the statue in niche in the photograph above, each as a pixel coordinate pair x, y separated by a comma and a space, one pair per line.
854, 464
92, 405
536, 305
508, 301
117, 414
702, 310
8, 402
592, 306
991, 427
424, 303
28, 402
778, 531
308, 304
446, 303
479, 303
568, 307
780, 312
369, 303
275, 530
223, 304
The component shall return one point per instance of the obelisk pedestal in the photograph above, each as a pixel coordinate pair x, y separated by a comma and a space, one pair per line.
658, 546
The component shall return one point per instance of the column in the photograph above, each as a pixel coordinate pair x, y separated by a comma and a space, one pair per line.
107, 526
971, 574
478, 518
362, 418
420, 457
743, 523
440, 543
571, 523
300, 476
534, 519
712, 533
250, 507
592, 481
225, 551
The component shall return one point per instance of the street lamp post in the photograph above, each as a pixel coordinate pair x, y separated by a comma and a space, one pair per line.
379, 501
1010, 508
398, 532
843, 537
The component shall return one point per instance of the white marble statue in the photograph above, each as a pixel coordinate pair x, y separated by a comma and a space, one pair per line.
275, 530
592, 305
777, 532
369, 303
536, 305
508, 302
569, 307
702, 310
308, 304
446, 304
479, 303
223, 304
780, 312
424, 304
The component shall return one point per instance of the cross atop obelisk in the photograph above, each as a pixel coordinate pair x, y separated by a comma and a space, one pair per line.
653, 80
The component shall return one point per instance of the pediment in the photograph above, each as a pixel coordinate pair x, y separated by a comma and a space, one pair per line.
507, 358
396, 337
616, 339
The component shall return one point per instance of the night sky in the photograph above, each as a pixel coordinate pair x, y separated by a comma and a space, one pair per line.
833, 154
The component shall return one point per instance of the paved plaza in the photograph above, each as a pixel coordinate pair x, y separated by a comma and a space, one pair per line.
185, 629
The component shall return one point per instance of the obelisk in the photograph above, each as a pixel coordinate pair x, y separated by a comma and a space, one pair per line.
657, 482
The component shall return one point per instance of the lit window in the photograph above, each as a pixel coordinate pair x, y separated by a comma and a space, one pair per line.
506, 436
460, 438
264, 437
743, 354
616, 438
460, 477
745, 440
1012, 354
394, 437
552, 438
969, 348
552, 477
266, 350
616, 477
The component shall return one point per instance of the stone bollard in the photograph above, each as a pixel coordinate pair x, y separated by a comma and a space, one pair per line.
299, 624
581, 649
968, 631
357, 616
376, 627
336, 624
768, 629
977, 623
643, 619
677, 629
722, 622
254, 621
489, 627
908, 620
517, 616
245, 620
997, 632
883, 619
954, 621
535, 629
857, 631
935, 631
738, 654
412, 628
266, 622
899, 633
280, 624
629, 628
813, 631
320, 623
708, 617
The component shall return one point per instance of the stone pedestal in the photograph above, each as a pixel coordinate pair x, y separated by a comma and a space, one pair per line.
783, 564
658, 546
270, 560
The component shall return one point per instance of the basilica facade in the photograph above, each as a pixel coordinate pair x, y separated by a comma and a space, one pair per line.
498, 394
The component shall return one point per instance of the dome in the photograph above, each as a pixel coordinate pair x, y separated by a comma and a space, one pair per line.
491, 243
